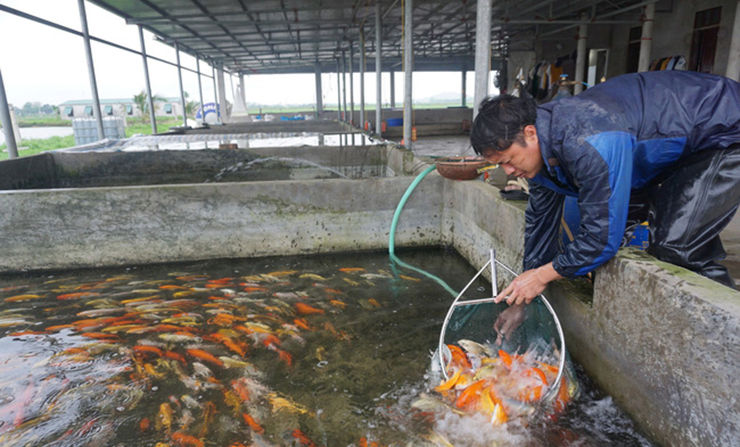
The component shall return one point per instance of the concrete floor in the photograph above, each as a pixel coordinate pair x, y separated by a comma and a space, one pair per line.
460, 145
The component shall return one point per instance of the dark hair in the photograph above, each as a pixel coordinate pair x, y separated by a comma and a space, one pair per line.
501, 121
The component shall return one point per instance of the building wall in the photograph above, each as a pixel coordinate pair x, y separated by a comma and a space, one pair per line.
120, 110
672, 33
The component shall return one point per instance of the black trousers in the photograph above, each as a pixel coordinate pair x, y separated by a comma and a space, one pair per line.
687, 208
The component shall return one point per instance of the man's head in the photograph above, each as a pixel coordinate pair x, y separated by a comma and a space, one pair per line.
504, 133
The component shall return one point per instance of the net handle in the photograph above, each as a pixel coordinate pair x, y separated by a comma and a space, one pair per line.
553, 390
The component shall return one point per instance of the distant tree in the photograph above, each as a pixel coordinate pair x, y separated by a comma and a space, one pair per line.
47, 109
191, 107
27, 108
142, 103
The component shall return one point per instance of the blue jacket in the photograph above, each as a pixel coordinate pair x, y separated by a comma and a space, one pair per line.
610, 139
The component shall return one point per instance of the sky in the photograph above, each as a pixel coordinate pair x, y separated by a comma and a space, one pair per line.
42, 64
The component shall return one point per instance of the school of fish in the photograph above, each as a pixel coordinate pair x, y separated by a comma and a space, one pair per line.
501, 385
190, 334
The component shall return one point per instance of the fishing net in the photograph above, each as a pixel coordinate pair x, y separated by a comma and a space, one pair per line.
515, 355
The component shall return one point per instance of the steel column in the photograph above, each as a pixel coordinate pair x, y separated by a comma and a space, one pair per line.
351, 84
393, 87
363, 118
200, 87
344, 86
179, 78
222, 91
581, 56
464, 88
149, 97
215, 93
7, 122
378, 71
319, 94
91, 70
408, 67
339, 93
482, 52
646, 41
733, 58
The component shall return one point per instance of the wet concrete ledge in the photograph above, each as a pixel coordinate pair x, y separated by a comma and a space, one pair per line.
661, 340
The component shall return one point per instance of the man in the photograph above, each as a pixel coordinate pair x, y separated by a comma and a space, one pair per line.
666, 142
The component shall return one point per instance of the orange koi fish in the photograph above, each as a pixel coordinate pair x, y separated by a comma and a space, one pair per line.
374, 302
351, 269
237, 347
335, 291
144, 424
60, 327
17, 298
304, 440
505, 357
101, 336
305, 309
302, 323
77, 295
254, 289
256, 427
338, 303
186, 440
271, 340
409, 278
18, 334
175, 356
146, 349
203, 355
459, 358
285, 357
172, 287
241, 389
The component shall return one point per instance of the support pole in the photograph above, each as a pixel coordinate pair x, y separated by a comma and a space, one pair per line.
179, 78
7, 122
339, 92
393, 88
733, 58
464, 88
378, 71
243, 90
363, 118
222, 92
408, 67
215, 93
200, 88
319, 94
482, 52
344, 86
351, 84
149, 97
91, 70
581, 56
646, 41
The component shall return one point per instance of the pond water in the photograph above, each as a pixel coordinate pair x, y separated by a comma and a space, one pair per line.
28, 133
331, 350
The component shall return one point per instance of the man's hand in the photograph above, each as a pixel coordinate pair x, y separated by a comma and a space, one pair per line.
528, 285
508, 321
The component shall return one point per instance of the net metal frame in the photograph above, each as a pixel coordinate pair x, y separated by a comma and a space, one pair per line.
493, 262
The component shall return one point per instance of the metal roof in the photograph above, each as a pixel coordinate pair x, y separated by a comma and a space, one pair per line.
290, 36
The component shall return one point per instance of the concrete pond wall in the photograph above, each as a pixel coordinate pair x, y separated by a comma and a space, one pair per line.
662, 341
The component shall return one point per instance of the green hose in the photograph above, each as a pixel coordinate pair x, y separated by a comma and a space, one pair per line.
392, 235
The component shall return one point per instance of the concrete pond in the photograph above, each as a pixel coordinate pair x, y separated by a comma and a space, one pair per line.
662, 341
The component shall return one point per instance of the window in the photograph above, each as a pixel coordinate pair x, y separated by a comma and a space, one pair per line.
704, 40
129, 109
88, 110
69, 111
108, 110
168, 108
